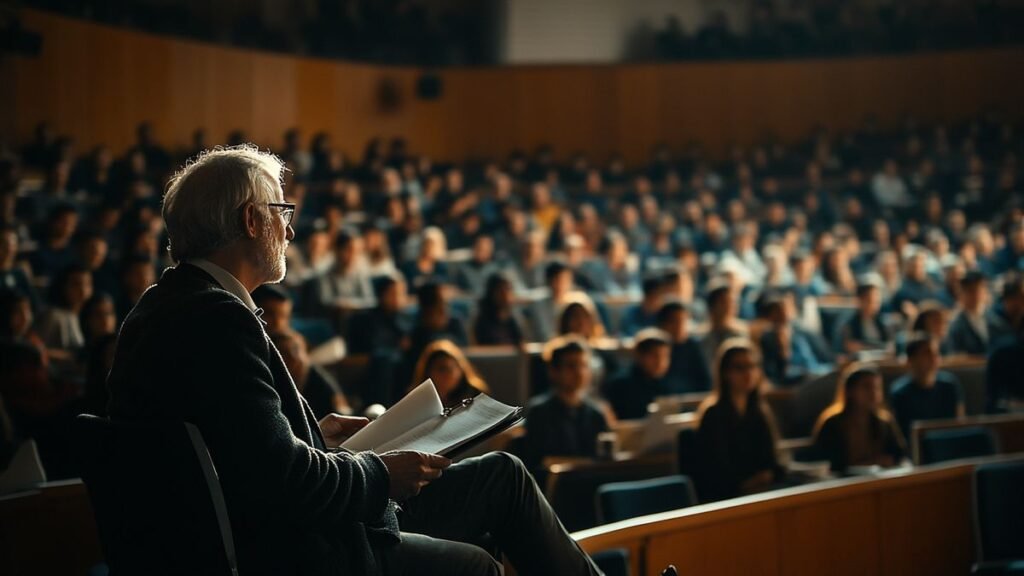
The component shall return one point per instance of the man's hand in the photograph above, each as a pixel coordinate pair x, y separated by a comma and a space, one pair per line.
336, 428
411, 471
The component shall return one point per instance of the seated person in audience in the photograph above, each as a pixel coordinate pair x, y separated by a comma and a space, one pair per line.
529, 270
968, 332
97, 319
580, 317
1004, 387
315, 384
864, 330
383, 327
646, 379
688, 369
931, 319
613, 274
55, 251
736, 438
137, 274
60, 329
433, 321
643, 315
429, 265
277, 307
723, 322
857, 430
347, 285
497, 322
564, 422
790, 355
12, 276
543, 312
1006, 316
925, 392
471, 276
454, 377
917, 286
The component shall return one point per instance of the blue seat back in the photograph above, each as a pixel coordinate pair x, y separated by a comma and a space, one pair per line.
999, 510
622, 500
614, 562
956, 443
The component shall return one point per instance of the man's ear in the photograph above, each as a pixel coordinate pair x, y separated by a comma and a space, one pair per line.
250, 220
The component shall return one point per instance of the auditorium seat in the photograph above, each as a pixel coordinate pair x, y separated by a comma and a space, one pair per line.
614, 562
956, 443
623, 500
142, 496
998, 510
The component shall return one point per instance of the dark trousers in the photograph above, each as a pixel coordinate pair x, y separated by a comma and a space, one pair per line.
494, 495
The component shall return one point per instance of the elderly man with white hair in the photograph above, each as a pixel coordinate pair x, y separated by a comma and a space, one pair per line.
195, 349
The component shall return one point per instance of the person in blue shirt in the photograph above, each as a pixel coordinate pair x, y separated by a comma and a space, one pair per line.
1004, 318
644, 314
917, 286
925, 392
646, 379
789, 355
688, 369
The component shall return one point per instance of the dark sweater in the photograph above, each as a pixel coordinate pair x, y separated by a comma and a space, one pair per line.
630, 392
731, 449
554, 429
831, 442
911, 402
192, 351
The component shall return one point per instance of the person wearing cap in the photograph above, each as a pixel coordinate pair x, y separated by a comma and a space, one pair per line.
646, 379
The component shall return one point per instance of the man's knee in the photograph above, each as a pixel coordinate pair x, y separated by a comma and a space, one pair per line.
505, 464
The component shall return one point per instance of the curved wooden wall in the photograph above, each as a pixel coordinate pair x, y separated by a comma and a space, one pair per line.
96, 82
917, 522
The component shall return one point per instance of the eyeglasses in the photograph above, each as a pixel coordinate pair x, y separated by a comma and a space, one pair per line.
286, 209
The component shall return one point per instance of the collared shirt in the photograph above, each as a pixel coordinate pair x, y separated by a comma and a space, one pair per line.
226, 280
979, 323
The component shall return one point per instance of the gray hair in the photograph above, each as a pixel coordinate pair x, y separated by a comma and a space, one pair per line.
203, 200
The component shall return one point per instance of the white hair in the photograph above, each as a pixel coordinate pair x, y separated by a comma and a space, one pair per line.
202, 206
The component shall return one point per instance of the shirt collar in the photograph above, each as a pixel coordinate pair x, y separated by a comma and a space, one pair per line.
226, 280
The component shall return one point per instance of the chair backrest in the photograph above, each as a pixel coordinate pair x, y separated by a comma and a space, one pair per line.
156, 496
956, 443
998, 509
623, 500
613, 562
24, 471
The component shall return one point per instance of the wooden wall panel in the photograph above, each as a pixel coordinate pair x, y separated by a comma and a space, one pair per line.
96, 83
838, 537
751, 548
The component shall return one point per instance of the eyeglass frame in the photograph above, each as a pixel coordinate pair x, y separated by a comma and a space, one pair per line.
287, 211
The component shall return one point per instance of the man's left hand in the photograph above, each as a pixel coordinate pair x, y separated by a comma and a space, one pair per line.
337, 428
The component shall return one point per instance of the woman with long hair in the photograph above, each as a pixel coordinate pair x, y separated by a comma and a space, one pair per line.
857, 429
452, 374
496, 321
736, 438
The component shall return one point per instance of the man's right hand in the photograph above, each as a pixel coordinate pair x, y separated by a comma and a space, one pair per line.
411, 471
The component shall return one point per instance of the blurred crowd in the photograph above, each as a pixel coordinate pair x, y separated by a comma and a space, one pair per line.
770, 267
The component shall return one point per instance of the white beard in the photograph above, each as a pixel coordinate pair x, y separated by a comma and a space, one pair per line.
270, 257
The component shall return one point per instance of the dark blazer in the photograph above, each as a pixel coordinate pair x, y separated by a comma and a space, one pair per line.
962, 338
192, 351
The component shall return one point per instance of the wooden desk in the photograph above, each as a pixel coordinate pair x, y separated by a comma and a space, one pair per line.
906, 522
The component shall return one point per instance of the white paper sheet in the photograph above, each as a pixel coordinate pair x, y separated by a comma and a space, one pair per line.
419, 406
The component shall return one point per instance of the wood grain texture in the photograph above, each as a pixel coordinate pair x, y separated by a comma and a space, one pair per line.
96, 83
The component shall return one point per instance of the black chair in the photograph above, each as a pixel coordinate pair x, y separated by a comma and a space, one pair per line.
956, 443
614, 562
998, 509
623, 500
156, 497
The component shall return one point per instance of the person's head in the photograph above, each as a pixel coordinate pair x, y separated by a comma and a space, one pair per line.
98, 317
432, 303
483, 248
859, 390
652, 287
71, 288
579, 316
775, 310
931, 319
497, 293
15, 315
62, 222
869, 298
92, 250
652, 352
721, 302
347, 246
804, 266
390, 292
568, 361
137, 275
923, 357
558, 278
915, 266
674, 319
229, 200
277, 307
434, 245
294, 351
447, 366
737, 370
